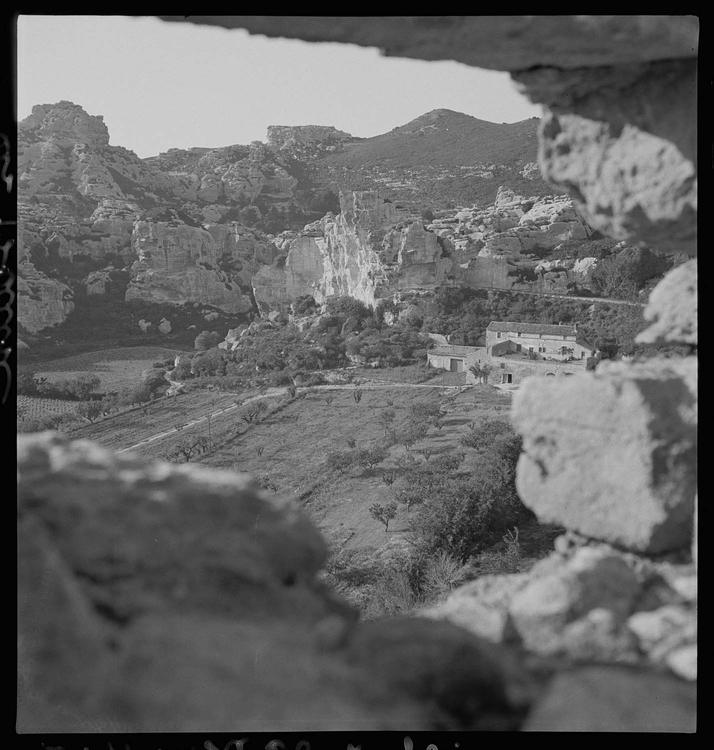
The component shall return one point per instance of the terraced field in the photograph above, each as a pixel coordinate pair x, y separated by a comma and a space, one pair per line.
290, 448
128, 428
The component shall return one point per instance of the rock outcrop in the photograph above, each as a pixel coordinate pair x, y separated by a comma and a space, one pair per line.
612, 454
306, 140
41, 302
178, 263
373, 250
156, 597
86, 204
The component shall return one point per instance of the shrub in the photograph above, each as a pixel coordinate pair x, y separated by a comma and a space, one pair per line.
507, 559
305, 305
463, 514
340, 461
442, 573
266, 483
347, 307
206, 340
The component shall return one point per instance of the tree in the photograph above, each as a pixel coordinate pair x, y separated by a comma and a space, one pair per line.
90, 410
607, 346
206, 340
368, 458
253, 412
347, 307
249, 215
409, 493
182, 371
480, 372
386, 419
389, 477
383, 513
412, 431
186, 448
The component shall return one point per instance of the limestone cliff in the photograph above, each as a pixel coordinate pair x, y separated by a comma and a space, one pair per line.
370, 250
41, 302
374, 250
211, 265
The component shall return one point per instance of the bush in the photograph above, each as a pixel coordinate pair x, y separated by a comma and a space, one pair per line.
90, 410
206, 340
463, 514
341, 461
506, 560
305, 305
347, 307
442, 573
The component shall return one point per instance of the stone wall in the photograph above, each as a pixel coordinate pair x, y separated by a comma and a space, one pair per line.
609, 455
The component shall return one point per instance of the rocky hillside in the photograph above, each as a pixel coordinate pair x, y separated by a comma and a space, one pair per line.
439, 159
218, 235
445, 138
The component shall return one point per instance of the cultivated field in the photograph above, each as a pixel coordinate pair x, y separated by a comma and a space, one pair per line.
31, 407
116, 368
128, 428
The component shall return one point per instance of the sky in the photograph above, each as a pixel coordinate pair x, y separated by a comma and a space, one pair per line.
169, 85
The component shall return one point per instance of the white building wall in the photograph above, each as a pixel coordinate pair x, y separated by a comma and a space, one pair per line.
547, 345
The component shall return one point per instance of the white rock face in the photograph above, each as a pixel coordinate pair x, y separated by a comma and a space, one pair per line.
366, 252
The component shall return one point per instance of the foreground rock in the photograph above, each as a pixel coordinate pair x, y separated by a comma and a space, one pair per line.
615, 699
585, 603
672, 308
612, 454
155, 597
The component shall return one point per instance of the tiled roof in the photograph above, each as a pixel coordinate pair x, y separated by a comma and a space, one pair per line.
455, 351
531, 328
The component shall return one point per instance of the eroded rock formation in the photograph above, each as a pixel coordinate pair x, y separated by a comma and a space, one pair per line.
41, 302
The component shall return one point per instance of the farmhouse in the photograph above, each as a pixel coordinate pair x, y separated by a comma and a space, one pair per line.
455, 358
515, 351
537, 341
